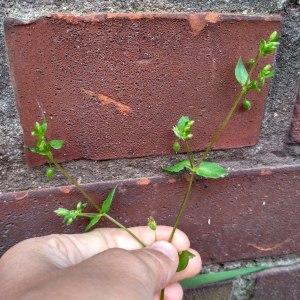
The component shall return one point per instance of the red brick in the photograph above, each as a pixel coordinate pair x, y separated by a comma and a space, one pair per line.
252, 213
280, 284
113, 85
219, 291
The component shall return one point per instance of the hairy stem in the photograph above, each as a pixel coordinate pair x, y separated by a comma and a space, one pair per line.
123, 227
74, 182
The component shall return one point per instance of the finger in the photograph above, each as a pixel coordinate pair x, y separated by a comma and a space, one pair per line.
122, 239
161, 259
119, 273
173, 291
70, 249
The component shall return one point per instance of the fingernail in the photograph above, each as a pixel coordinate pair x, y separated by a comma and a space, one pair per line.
165, 248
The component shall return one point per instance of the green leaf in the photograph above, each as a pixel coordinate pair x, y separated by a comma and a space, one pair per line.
40, 149
50, 172
184, 258
108, 201
61, 212
56, 144
184, 164
204, 279
80, 207
183, 128
211, 170
33, 149
152, 223
253, 85
247, 104
94, 220
241, 73
176, 146
70, 215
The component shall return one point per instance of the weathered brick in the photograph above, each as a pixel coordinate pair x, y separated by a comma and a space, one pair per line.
279, 284
113, 85
250, 214
295, 130
221, 291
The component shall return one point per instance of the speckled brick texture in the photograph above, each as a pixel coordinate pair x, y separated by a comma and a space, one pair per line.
295, 130
97, 74
250, 214
280, 284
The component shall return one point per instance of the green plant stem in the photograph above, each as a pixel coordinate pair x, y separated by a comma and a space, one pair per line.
91, 200
210, 145
229, 115
208, 148
87, 215
190, 154
74, 182
182, 205
123, 227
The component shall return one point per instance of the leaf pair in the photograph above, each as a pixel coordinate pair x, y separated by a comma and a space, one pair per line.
104, 210
205, 169
71, 215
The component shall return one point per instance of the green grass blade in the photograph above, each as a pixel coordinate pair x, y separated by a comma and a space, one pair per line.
204, 279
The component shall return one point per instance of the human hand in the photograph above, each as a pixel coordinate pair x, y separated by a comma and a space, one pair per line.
105, 263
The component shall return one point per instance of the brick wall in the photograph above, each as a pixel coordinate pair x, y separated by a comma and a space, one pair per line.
106, 97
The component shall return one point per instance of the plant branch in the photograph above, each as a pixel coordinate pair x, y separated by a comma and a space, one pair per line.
74, 182
91, 200
123, 227
229, 115
210, 145
87, 215
182, 205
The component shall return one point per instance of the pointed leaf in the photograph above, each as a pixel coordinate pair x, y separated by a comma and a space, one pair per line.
94, 220
211, 170
241, 73
56, 144
108, 201
178, 166
184, 258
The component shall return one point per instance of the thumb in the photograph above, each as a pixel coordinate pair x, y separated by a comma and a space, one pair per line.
161, 261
